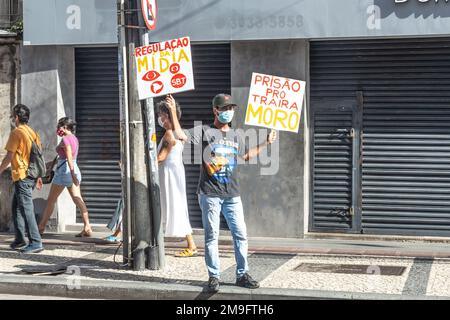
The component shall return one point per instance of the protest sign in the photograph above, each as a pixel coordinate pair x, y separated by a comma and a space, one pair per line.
164, 67
275, 102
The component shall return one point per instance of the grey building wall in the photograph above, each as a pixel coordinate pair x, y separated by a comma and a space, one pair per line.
48, 88
273, 204
220, 20
66, 22
9, 84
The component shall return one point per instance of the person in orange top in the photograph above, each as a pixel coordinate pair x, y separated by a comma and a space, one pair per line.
19, 148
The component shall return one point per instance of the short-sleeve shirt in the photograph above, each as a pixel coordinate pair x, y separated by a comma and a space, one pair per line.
70, 140
19, 143
220, 152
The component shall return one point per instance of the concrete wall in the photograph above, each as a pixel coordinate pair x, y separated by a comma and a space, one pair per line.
273, 204
48, 88
237, 20
9, 83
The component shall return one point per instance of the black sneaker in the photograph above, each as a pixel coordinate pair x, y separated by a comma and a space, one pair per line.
247, 282
18, 245
213, 284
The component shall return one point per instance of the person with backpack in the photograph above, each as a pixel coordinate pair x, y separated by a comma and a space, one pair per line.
25, 156
67, 175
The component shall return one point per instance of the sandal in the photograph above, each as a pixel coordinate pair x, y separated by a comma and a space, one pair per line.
112, 239
187, 253
84, 234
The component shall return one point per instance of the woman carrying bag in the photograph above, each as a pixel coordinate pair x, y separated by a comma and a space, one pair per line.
67, 175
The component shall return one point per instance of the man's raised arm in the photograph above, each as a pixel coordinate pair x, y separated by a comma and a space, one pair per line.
271, 137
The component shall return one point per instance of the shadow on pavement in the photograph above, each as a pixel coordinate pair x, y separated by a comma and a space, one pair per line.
89, 267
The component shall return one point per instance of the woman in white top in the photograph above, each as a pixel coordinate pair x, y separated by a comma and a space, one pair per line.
173, 181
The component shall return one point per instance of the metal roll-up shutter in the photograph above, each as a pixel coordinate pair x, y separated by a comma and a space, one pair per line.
212, 75
405, 131
332, 168
98, 130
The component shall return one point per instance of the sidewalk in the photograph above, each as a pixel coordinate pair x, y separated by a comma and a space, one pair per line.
286, 269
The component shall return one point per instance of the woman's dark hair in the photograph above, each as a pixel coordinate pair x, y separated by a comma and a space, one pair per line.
162, 107
68, 123
23, 112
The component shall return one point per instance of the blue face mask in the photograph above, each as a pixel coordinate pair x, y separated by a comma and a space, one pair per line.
226, 116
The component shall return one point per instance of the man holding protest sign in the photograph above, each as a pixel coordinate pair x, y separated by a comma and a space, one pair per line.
218, 188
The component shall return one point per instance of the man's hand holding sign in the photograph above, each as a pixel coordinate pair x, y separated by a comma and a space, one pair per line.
272, 137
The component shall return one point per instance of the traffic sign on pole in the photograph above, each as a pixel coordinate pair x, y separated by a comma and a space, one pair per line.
149, 12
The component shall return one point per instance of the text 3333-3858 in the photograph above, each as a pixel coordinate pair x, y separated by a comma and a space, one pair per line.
239, 21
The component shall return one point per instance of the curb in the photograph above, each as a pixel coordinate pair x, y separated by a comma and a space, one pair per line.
133, 290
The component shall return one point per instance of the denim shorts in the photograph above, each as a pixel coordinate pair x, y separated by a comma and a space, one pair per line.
63, 177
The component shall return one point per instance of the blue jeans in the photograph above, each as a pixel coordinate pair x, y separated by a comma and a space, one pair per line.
23, 212
234, 215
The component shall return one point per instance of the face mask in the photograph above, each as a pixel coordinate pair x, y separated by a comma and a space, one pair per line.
13, 123
226, 116
60, 132
161, 124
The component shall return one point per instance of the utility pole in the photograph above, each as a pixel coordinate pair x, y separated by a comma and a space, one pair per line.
124, 136
156, 253
143, 234
137, 223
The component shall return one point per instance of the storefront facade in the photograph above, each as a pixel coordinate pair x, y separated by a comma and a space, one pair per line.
371, 156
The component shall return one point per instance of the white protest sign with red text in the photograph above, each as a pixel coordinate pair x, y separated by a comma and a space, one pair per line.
164, 67
275, 102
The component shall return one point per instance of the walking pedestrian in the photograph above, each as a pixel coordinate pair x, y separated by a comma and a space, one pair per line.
67, 175
172, 179
18, 149
218, 188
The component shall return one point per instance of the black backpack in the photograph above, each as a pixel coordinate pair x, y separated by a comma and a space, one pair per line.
37, 167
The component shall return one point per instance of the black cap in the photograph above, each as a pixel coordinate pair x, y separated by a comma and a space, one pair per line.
222, 100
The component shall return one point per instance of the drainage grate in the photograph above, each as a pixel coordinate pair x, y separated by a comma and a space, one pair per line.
351, 269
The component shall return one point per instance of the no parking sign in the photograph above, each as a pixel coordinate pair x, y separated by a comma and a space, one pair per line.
164, 68
149, 12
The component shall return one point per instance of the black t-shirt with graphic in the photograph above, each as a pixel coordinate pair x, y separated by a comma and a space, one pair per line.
220, 153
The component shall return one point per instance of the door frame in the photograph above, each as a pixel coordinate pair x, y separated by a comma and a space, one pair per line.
356, 105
